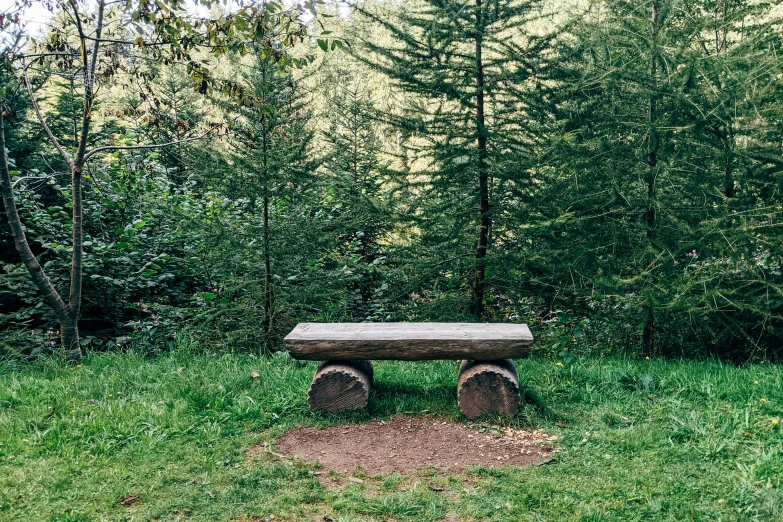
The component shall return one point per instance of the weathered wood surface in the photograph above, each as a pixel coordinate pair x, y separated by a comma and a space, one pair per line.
340, 385
409, 341
488, 387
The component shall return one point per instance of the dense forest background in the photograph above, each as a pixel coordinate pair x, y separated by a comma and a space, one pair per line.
609, 172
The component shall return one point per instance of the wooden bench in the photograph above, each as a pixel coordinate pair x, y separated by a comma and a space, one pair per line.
487, 379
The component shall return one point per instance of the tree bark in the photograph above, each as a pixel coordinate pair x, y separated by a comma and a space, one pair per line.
648, 333
69, 328
479, 282
39, 277
729, 185
269, 296
488, 387
69, 338
340, 385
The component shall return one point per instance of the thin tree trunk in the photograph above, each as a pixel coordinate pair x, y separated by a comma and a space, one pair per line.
729, 187
69, 328
648, 333
479, 282
269, 296
69, 338
39, 277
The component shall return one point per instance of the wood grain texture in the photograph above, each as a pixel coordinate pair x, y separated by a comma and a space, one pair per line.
340, 385
409, 341
488, 387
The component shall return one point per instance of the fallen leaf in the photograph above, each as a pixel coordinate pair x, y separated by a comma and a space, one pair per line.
211, 495
544, 462
357, 480
127, 501
195, 481
254, 375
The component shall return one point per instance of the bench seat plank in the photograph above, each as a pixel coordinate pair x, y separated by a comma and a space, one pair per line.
409, 341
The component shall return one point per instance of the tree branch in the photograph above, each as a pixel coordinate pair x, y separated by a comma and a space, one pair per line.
37, 273
94, 60
47, 55
42, 120
28, 178
152, 146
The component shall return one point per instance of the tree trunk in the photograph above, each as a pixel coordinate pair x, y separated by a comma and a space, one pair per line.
340, 385
269, 296
479, 283
69, 339
729, 185
77, 260
648, 333
488, 387
68, 326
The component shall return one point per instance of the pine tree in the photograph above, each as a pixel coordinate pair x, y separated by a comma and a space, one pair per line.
462, 65
733, 285
363, 220
651, 119
610, 197
272, 140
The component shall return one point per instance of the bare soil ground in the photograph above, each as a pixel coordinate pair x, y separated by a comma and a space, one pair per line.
406, 444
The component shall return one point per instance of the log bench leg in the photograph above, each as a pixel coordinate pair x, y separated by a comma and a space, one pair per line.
488, 387
340, 385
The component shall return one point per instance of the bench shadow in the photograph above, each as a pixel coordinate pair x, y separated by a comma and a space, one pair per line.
440, 397
383, 390
531, 396
393, 398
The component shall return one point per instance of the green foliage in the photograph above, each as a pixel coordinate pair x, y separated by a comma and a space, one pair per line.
363, 218
627, 172
651, 169
467, 156
135, 243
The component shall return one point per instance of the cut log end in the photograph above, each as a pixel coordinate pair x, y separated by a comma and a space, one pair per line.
488, 387
341, 385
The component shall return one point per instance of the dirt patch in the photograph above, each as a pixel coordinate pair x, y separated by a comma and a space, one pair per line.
405, 444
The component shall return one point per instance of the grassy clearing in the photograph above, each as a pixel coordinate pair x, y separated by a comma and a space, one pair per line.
642, 440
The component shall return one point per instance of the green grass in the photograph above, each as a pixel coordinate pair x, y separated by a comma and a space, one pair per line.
642, 440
